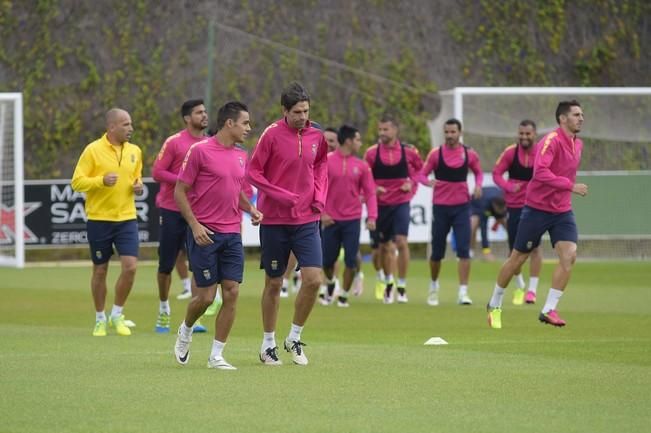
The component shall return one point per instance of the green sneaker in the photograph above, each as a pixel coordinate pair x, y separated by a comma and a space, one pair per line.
163, 323
379, 289
518, 297
120, 327
494, 317
212, 310
100, 329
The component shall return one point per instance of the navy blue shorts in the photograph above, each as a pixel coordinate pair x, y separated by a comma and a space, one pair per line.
534, 223
445, 218
392, 220
102, 235
477, 207
512, 224
221, 260
341, 233
172, 236
276, 241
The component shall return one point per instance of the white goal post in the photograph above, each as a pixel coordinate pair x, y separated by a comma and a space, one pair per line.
12, 233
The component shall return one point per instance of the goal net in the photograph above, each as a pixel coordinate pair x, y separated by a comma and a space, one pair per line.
12, 242
616, 160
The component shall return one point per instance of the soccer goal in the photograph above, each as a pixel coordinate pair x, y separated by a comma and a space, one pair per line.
12, 241
616, 159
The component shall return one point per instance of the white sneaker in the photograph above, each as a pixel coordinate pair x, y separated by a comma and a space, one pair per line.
324, 300
402, 298
433, 298
182, 348
220, 364
343, 304
358, 284
129, 323
464, 300
270, 356
284, 293
186, 294
296, 349
389, 293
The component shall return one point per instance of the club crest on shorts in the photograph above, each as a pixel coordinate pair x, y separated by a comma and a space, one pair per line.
98, 254
274, 265
529, 245
206, 274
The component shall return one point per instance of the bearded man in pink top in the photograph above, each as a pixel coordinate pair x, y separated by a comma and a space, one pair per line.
395, 166
450, 163
173, 228
517, 160
289, 166
210, 193
548, 208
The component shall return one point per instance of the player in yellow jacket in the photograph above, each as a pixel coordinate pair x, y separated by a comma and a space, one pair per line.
109, 171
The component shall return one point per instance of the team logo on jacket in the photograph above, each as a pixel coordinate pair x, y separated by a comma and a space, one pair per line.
133, 159
241, 161
314, 147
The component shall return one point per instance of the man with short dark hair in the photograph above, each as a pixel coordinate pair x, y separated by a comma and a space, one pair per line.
330, 135
395, 168
349, 178
210, 196
517, 160
451, 205
172, 226
109, 171
548, 208
289, 168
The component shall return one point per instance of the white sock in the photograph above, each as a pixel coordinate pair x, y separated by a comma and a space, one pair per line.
165, 307
268, 341
359, 275
185, 330
463, 290
519, 281
402, 282
389, 279
496, 299
343, 294
116, 311
295, 333
434, 286
217, 349
100, 316
553, 297
380, 275
285, 284
187, 284
533, 284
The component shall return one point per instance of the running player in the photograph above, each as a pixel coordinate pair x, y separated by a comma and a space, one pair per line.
548, 208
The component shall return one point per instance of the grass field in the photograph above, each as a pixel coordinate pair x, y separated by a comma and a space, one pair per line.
369, 370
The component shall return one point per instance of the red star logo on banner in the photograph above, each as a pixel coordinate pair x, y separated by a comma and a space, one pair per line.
8, 224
